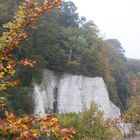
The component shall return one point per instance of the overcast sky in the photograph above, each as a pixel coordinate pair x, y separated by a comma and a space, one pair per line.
118, 19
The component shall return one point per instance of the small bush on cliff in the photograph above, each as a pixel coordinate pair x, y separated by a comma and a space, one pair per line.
132, 115
90, 125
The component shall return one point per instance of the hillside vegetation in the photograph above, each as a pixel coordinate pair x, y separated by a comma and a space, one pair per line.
63, 41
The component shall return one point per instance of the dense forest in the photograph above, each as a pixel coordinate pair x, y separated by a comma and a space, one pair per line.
66, 42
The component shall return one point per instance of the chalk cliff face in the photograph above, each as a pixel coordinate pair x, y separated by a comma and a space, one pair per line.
65, 93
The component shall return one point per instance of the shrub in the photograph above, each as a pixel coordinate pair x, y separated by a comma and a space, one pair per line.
90, 125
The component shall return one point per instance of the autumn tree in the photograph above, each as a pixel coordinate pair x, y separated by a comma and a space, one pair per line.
23, 127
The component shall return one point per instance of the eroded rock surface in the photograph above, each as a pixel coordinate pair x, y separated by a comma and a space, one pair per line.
65, 93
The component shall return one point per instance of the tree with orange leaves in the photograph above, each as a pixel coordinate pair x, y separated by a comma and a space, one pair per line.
24, 127
27, 14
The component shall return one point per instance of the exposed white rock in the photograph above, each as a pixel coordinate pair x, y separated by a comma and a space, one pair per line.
125, 128
39, 102
71, 93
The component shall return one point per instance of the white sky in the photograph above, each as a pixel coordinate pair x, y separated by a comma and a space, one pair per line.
118, 19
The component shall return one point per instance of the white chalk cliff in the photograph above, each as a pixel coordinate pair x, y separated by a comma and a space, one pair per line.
65, 93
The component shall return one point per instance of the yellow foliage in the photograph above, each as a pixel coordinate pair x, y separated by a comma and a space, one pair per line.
26, 15
24, 127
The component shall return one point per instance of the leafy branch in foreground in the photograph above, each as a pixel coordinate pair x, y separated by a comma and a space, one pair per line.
24, 127
15, 32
